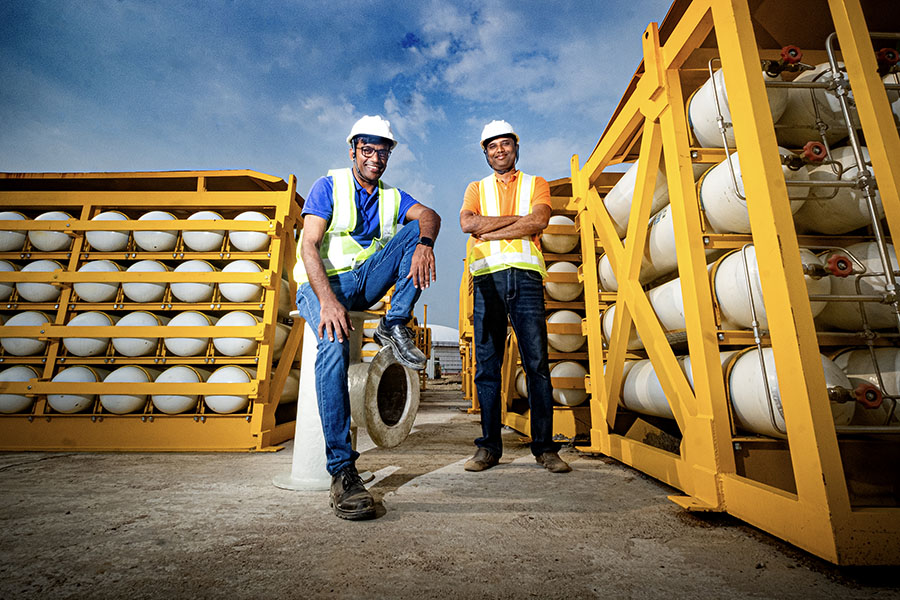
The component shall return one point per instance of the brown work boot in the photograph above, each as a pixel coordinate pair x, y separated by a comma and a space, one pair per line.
482, 460
552, 462
349, 497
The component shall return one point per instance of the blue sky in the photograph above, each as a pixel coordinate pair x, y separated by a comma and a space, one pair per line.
275, 86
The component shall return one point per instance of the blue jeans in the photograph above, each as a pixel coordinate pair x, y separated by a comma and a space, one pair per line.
356, 290
518, 293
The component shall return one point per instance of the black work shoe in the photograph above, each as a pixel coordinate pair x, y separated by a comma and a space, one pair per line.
482, 460
400, 338
349, 497
552, 462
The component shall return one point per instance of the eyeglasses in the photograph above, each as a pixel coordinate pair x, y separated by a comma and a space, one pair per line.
369, 151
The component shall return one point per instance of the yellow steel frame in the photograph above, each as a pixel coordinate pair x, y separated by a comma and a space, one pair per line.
817, 515
95, 429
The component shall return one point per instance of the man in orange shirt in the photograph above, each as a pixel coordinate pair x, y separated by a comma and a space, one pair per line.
505, 213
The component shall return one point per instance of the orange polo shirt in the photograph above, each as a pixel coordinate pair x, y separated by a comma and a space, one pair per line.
472, 201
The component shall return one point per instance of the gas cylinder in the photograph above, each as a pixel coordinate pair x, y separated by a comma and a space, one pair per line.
846, 315
619, 199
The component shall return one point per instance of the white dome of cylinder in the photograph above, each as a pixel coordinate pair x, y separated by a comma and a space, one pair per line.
10, 240
228, 403
564, 342
97, 291
88, 346
620, 198
174, 404
521, 383
74, 402
145, 291
194, 291
25, 346
6, 288
13, 403
51, 241
108, 241
236, 346
606, 325
249, 241
184, 346
33, 291
143, 346
563, 292
156, 241
564, 395
204, 241
559, 243
124, 403
241, 292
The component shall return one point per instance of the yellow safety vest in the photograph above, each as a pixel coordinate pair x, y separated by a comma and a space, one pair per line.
496, 255
339, 251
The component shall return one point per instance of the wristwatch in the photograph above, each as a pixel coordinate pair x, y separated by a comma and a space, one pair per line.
426, 241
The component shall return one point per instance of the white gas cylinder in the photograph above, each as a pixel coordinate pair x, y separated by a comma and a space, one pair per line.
563, 292
25, 346
10, 240
88, 346
733, 296
668, 304
606, 325
702, 113
642, 391
607, 278
249, 241
564, 342
74, 402
108, 241
194, 291
369, 347
619, 199
133, 346
33, 291
225, 404
848, 210
859, 367
568, 396
121, 404
51, 241
97, 291
13, 403
797, 124
725, 210
184, 346
751, 408
235, 346
156, 241
241, 292
6, 288
204, 241
174, 404
846, 315
145, 291
559, 243
281, 335
291, 390
521, 383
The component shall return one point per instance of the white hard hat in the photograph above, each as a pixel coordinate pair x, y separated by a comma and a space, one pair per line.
373, 125
497, 128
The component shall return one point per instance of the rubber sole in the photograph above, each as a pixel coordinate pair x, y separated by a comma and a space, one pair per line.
383, 341
359, 515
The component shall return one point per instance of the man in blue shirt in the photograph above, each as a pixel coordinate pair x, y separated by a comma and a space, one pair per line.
351, 252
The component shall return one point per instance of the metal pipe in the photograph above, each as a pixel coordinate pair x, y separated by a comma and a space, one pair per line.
867, 429
864, 177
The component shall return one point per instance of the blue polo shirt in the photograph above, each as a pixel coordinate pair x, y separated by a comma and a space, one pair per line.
320, 202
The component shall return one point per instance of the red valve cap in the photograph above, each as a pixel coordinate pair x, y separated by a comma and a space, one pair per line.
814, 151
868, 395
839, 265
888, 55
791, 55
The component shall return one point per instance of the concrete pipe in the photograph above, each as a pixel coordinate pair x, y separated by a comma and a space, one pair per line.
384, 398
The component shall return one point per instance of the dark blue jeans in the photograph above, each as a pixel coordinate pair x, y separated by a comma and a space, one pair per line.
356, 290
518, 293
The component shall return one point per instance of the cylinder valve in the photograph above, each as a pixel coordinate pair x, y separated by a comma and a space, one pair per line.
887, 60
814, 152
868, 395
839, 265
789, 61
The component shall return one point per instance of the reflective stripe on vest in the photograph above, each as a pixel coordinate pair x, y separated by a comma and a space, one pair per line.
339, 251
496, 255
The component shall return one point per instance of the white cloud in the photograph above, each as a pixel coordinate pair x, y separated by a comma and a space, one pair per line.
411, 117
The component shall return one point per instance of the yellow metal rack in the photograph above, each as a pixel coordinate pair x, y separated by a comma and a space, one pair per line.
831, 493
83, 196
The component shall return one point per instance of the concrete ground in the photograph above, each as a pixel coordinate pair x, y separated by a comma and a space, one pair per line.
213, 526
